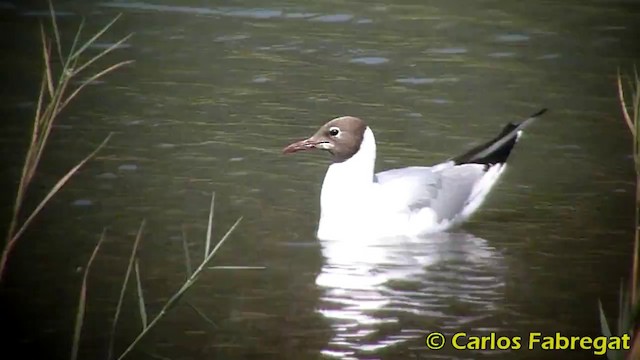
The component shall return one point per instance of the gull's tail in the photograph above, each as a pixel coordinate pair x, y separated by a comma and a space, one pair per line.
497, 150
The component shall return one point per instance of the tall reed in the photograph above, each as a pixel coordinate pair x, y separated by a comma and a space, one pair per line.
57, 89
56, 92
628, 305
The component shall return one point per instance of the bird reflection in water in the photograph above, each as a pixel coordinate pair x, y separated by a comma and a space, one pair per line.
383, 292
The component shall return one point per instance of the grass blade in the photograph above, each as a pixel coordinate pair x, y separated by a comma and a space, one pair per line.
623, 104
202, 315
82, 301
46, 53
141, 304
624, 312
12, 241
224, 238
92, 79
604, 326
187, 256
636, 108
625, 320
207, 244
46, 112
76, 39
606, 331
123, 289
34, 134
56, 33
63, 180
173, 300
94, 38
101, 54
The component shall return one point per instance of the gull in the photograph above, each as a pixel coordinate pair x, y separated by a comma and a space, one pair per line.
412, 201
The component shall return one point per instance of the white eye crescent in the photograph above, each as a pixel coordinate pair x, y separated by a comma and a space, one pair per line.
334, 131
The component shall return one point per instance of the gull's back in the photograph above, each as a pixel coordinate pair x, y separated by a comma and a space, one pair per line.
445, 189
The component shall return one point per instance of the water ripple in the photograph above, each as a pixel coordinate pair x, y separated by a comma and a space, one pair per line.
510, 38
369, 60
333, 18
234, 37
82, 202
253, 13
502, 54
447, 51
422, 81
128, 167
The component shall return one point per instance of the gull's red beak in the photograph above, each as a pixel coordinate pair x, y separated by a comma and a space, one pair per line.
307, 144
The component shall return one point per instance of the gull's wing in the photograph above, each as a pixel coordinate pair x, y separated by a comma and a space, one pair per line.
457, 186
445, 188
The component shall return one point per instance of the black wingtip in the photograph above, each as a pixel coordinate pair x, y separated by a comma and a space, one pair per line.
499, 148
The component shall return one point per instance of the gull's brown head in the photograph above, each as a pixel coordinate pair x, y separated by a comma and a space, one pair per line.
341, 137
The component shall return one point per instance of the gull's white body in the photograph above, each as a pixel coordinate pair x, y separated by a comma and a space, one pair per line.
355, 202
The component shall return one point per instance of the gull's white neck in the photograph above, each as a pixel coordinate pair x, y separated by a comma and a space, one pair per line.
346, 182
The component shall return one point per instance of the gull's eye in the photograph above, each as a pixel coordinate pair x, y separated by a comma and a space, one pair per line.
334, 131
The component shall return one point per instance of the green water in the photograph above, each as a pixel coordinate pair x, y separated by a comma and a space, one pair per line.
218, 88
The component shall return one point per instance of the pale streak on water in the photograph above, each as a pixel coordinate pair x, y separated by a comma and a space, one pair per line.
217, 90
